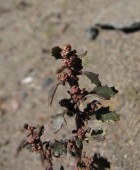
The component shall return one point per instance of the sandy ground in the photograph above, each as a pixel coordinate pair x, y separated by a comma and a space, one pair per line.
28, 30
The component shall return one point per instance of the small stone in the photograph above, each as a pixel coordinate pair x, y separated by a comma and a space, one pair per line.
27, 80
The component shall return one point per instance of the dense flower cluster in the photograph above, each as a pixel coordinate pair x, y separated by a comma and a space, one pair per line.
73, 63
70, 59
34, 141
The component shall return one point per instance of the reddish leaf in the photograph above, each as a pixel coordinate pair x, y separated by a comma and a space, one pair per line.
83, 54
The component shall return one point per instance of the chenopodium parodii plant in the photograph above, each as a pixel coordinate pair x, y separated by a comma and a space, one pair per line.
69, 73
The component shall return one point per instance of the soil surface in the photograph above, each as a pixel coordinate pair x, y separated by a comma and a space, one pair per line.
28, 30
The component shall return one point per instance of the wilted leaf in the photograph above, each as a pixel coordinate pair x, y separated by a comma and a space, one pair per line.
105, 115
104, 91
110, 103
58, 121
59, 149
52, 93
99, 134
79, 143
22, 145
61, 69
93, 77
83, 54
47, 82
55, 51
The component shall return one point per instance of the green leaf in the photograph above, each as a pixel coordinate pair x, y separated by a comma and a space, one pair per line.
75, 153
59, 149
104, 91
79, 143
111, 116
29, 147
56, 52
52, 92
99, 134
58, 121
93, 77
105, 115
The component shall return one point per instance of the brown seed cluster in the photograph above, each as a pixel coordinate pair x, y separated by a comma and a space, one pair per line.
63, 77
70, 145
81, 133
35, 143
73, 63
88, 161
77, 94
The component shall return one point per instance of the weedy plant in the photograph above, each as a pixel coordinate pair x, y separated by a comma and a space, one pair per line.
69, 73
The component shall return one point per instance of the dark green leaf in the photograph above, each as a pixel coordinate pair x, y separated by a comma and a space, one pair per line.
40, 130
55, 51
79, 143
61, 167
80, 165
75, 153
83, 54
52, 93
99, 134
111, 116
58, 121
104, 91
93, 77
70, 113
59, 149
101, 163
105, 115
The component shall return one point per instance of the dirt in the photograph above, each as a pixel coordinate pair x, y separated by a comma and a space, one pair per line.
28, 30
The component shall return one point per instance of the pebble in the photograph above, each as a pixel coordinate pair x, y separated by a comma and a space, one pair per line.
27, 80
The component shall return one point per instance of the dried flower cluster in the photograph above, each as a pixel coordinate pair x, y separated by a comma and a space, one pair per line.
69, 73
